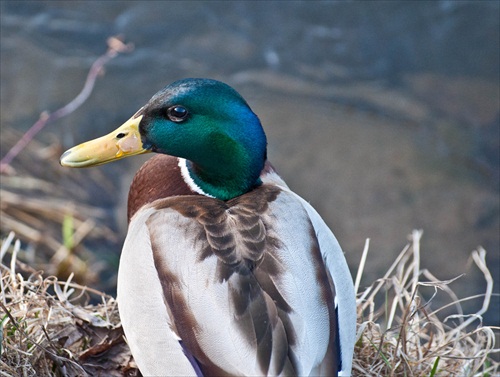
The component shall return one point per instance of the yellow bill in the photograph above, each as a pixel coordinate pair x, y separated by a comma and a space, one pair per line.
123, 142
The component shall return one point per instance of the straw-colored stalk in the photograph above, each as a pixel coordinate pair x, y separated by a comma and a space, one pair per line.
48, 332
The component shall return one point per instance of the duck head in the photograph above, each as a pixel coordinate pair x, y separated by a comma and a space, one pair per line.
205, 122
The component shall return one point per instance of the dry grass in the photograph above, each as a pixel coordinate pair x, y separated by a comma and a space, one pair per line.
400, 334
49, 330
34, 204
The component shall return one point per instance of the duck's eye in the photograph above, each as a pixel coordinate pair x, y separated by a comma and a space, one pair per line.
177, 113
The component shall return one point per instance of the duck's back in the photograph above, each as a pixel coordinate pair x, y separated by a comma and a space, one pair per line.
240, 287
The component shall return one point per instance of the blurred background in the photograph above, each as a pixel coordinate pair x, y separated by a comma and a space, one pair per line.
384, 115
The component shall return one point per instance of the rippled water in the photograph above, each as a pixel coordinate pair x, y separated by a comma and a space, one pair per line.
383, 114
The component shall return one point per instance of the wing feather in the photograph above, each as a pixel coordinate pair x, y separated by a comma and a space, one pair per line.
245, 292
146, 321
338, 269
337, 266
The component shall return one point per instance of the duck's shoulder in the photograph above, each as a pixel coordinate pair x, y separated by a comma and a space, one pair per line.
239, 231
160, 178
262, 203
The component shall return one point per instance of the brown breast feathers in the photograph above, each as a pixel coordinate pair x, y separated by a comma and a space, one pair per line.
159, 177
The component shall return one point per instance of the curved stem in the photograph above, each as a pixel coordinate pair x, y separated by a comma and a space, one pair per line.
115, 46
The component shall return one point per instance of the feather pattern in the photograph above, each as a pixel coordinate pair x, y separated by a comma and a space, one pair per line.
338, 272
221, 262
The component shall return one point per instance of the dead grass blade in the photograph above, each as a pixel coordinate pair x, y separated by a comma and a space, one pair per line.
398, 334
48, 331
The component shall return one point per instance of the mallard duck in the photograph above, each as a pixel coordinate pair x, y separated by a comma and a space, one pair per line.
224, 270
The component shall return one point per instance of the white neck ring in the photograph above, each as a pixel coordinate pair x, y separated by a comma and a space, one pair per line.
189, 180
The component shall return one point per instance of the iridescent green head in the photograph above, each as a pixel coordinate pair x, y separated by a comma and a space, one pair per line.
205, 122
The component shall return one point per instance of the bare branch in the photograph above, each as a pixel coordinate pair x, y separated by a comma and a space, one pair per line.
115, 47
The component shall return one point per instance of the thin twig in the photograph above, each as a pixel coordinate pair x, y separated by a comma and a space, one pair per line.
115, 46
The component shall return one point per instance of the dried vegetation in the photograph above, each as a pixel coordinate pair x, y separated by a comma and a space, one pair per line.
49, 329
400, 333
